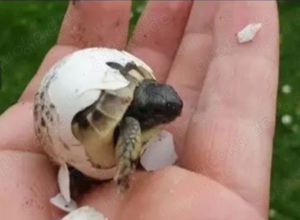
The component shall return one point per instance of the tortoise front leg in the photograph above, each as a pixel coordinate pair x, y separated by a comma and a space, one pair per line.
128, 150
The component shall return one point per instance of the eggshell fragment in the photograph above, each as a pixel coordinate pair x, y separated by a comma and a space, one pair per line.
85, 213
64, 182
248, 33
160, 152
60, 202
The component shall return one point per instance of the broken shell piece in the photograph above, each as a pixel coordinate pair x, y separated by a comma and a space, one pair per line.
85, 213
160, 152
248, 33
64, 182
60, 202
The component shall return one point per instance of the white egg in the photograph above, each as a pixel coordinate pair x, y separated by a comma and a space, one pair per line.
71, 85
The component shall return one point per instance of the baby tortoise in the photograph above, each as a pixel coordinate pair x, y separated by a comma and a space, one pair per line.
115, 129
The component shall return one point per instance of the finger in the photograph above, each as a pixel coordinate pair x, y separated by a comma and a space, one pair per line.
54, 55
27, 182
231, 137
17, 131
87, 24
191, 63
158, 34
171, 193
96, 23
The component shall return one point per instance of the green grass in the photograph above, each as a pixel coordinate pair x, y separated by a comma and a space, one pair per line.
23, 49
285, 197
27, 32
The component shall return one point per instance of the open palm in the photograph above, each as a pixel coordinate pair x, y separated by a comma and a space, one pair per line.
224, 137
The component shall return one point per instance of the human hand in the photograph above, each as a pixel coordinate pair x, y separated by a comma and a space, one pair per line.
224, 136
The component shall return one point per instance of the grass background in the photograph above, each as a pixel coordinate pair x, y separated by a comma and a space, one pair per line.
33, 26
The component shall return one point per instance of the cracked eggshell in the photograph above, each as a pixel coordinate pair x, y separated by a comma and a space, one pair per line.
160, 152
248, 33
64, 182
85, 213
60, 202
71, 85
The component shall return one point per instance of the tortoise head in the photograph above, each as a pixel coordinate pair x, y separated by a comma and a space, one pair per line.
155, 104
